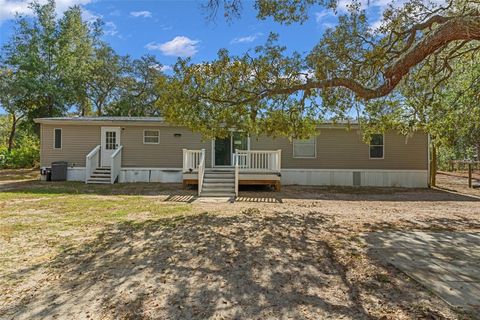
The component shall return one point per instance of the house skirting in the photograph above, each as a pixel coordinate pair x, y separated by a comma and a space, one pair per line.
319, 177
354, 177
165, 175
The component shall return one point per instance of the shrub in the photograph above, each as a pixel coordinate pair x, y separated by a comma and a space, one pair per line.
26, 154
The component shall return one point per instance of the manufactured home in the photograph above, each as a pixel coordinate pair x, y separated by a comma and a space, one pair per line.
148, 149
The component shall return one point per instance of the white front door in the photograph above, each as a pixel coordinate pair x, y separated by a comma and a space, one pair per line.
110, 143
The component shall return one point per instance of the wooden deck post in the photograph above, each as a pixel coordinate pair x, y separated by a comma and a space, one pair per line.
278, 186
470, 167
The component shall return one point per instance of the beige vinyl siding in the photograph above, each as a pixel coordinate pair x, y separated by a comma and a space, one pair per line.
77, 142
342, 149
335, 148
167, 154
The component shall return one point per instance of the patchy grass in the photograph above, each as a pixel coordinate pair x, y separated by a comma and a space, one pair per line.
36, 224
19, 174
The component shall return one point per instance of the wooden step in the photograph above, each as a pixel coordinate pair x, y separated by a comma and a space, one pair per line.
221, 189
217, 194
218, 180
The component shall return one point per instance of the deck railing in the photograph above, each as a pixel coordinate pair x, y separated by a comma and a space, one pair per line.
91, 162
116, 164
237, 173
191, 160
258, 160
201, 171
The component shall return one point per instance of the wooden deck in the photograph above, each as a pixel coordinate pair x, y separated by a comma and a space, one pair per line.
267, 179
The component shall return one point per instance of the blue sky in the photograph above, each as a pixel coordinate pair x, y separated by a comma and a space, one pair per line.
168, 29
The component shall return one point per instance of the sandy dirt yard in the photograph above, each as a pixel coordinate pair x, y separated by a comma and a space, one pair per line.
154, 251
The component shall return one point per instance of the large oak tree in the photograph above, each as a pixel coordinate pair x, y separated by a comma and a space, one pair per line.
268, 91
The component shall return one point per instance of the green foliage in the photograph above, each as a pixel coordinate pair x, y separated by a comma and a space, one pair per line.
354, 68
52, 65
137, 94
26, 154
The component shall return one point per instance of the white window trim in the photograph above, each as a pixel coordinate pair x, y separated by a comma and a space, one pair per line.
377, 145
61, 138
315, 147
144, 130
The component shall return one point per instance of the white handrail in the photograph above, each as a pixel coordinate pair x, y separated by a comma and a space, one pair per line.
201, 171
91, 162
115, 164
237, 169
191, 160
259, 160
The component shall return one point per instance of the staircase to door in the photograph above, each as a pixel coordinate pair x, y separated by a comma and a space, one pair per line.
101, 175
218, 183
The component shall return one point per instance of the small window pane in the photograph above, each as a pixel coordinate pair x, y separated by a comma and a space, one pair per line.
376, 151
151, 136
110, 140
376, 146
376, 140
58, 139
151, 139
304, 148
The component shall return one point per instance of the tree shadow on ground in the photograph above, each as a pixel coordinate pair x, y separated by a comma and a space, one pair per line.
175, 191
205, 266
72, 187
354, 194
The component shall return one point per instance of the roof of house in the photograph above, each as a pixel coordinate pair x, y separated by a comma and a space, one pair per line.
151, 120
103, 118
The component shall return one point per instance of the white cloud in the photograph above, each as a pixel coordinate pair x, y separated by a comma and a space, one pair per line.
90, 16
141, 14
163, 68
115, 13
326, 19
246, 39
166, 68
180, 46
319, 16
8, 8
110, 29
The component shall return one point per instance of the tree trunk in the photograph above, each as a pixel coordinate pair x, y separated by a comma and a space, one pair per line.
433, 166
13, 129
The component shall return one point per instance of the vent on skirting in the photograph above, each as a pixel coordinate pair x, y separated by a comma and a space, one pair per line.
357, 178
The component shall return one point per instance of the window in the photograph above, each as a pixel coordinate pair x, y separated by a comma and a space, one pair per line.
304, 148
110, 140
151, 136
57, 137
376, 146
